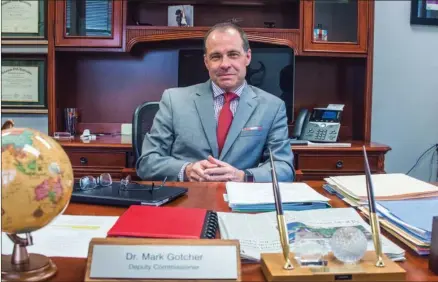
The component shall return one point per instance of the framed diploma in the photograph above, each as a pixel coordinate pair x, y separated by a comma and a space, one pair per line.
23, 83
424, 12
23, 19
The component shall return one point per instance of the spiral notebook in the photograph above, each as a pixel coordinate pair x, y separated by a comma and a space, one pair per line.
165, 222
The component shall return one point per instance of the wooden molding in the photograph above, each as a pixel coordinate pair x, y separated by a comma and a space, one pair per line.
25, 42
25, 111
138, 34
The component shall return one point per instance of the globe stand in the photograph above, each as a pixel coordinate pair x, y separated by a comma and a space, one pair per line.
20, 266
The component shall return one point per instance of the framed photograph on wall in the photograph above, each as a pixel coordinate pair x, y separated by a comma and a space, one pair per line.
23, 19
424, 12
23, 83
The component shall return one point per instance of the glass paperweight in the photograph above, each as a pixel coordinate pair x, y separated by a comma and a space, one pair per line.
311, 250
62, 135
348, 244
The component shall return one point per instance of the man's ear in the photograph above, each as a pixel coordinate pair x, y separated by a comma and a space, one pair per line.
205, 61
248, 57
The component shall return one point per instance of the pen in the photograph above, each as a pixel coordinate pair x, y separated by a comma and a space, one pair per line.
282, 228
277, 195
369, 183
374, 220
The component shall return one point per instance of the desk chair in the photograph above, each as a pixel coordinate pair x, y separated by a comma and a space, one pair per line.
142, 122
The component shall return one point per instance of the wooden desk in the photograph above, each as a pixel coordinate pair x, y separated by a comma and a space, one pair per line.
209, 196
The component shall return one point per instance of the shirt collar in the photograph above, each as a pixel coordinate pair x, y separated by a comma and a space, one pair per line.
217, 91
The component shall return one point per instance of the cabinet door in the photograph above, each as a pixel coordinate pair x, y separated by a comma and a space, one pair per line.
335, 26
89, 23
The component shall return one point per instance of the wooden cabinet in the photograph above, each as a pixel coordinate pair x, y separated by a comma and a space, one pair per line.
333, 54
89, 23
110, 155
97, 158
315, 163
335, 26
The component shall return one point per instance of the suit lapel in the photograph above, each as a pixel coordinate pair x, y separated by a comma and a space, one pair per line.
246, 107
204, 106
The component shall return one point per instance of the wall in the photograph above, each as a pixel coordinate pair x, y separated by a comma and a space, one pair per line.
405, 89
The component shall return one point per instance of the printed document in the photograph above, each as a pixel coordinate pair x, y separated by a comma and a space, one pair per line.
65, 236
262, 193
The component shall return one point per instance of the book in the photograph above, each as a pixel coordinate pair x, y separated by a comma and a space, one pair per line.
165, 222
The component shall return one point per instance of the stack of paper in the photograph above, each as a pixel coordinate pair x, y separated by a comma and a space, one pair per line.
405, 205
259, 197
391, 186
65, 236
258, 233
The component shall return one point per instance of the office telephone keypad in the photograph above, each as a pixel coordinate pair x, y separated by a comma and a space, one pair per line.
321, 132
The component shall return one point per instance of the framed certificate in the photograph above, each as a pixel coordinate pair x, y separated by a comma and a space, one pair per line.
424, 12
23, 83
23, 19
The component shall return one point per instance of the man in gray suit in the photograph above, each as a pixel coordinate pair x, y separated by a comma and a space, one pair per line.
220, 130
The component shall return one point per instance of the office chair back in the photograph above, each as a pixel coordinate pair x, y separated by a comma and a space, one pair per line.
142, 122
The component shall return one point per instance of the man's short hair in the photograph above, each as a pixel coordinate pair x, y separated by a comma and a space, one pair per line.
223, 26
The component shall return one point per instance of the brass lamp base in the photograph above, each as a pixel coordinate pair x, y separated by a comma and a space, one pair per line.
38, 268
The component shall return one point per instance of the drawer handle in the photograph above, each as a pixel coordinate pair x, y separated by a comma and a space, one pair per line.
339, 164
83, 160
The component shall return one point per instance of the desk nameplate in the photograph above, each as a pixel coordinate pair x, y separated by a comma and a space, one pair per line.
115, 259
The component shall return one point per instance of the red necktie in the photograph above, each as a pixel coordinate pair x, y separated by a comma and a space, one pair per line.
225, 119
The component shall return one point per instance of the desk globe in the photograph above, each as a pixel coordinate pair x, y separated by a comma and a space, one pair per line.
37, 183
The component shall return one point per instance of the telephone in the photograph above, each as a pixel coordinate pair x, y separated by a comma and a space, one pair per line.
318, 125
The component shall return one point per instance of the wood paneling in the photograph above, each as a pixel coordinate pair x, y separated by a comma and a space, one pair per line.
285, 14
108, 88
323, 81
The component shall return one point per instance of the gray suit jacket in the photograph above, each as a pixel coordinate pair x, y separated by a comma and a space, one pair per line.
184, 130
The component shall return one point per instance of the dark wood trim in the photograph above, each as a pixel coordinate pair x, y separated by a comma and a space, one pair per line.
89, 41
368, 95
138, 34
338, 47
51, 95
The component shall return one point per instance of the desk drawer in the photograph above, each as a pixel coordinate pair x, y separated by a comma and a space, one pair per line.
336, 163
97, 159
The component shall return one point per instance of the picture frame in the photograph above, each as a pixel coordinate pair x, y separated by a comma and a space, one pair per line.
180, 15
24, 84
18, 19
424, 12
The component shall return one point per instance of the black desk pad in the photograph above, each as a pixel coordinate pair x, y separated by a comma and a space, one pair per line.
114, 196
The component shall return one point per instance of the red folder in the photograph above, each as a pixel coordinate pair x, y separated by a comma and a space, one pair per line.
165, 222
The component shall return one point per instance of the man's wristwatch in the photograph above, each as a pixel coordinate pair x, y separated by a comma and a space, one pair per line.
249, 177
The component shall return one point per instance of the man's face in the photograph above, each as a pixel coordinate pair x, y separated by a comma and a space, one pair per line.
225, 58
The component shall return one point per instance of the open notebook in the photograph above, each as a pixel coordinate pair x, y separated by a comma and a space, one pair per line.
258, 233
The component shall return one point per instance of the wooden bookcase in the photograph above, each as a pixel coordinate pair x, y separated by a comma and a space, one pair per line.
106, 77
